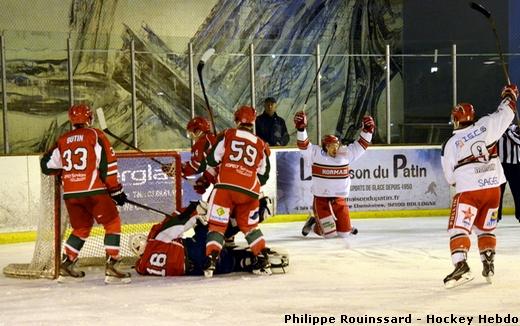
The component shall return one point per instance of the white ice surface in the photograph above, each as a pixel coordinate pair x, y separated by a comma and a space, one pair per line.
394, 267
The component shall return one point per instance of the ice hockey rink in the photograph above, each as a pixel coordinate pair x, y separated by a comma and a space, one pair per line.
392, 268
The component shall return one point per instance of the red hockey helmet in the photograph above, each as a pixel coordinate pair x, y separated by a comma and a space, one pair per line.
245, 115
327, 140
80, 114
462, 114
198, 124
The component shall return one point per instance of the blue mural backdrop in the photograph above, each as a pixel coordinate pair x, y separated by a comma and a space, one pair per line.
38, 84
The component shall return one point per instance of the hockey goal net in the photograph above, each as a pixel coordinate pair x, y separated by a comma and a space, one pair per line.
143, 182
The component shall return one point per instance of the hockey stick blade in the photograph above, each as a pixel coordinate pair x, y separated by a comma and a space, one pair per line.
480, 9
104, 127
205, 57
491, 22
208, 54
101, 119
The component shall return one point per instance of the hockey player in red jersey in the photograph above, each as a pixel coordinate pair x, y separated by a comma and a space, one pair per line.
87, 165
166, 253
199, 130
243, 160
471, 164
330, 177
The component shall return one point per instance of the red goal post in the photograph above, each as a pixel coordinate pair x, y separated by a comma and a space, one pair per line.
143, 182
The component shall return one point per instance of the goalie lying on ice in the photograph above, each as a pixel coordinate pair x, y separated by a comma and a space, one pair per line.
166, 253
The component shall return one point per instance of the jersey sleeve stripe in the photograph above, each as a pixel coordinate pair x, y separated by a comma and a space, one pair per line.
363, 142
303, 144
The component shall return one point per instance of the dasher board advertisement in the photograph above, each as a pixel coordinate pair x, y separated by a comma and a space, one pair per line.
384, 178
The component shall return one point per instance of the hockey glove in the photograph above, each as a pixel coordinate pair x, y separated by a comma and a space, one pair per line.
264, 212
510, 92
169, 169
300, 120
368, 124
118, 195
201, 185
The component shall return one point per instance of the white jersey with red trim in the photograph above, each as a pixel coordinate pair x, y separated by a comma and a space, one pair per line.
469, 158
330, 175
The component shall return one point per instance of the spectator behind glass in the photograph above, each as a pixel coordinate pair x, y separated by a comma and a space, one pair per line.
270, 127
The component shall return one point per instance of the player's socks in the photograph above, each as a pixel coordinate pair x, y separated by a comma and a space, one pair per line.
459, 276
488, 270
112, 273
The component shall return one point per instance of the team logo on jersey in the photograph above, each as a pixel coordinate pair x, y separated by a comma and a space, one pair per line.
468, 212
492, 219
219, 214
480, 151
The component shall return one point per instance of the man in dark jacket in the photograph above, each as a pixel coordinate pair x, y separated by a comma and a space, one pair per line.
270, 127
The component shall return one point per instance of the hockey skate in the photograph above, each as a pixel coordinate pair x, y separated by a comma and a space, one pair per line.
488, 270
307, 227
211, 264
67, 271
459, 276
261, 265
112, 273
278, 260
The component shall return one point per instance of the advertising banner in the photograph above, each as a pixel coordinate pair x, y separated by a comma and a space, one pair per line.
145, 183
384, 178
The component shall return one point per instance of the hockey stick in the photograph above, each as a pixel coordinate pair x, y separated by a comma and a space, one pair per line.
491, 21
131, 202
104, 127
205, 57
319, 68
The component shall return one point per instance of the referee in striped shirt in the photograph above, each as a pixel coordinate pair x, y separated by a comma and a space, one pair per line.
509, 151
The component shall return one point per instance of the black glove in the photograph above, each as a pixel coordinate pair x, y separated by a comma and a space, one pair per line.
263, 210
118, 196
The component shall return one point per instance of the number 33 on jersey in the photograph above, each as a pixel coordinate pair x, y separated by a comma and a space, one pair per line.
78, 155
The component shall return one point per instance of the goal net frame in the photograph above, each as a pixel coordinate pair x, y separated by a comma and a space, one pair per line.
53, 223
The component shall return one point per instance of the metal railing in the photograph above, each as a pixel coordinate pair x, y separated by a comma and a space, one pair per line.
395, 125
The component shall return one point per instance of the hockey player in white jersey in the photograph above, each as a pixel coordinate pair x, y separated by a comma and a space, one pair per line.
471, 164
330, 177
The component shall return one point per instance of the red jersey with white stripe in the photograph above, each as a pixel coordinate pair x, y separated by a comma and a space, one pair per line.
86, 161
244, 161
198, 153
162, 258
330, 175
